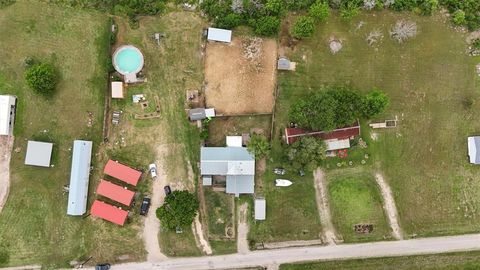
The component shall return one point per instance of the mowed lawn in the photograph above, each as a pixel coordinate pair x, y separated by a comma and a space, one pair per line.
220, 216
430, 81
355, 199
34, 227
171, 68
449, 261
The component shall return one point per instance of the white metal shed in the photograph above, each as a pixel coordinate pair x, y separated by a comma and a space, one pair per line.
221, 35
79, 178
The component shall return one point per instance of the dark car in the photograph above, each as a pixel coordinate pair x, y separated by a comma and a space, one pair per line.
145, 206
301, 172
167, 190
103, 266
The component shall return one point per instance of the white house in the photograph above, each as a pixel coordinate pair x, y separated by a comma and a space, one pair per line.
7, 114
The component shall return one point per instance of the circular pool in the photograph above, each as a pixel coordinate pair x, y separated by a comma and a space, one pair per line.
128, 59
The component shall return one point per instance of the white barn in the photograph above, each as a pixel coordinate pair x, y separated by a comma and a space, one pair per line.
220, 35
8, 104
79, 178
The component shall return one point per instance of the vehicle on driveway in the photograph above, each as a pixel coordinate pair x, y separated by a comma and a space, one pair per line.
145, 206
279, 171
167, 190
103, 266
153, 170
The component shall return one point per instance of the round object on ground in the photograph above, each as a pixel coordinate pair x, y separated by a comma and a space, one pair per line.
128, 59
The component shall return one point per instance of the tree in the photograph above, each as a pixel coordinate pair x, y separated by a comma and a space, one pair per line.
303, 27
275, 7
319, 11
258, 146
179, 209
307, 152
459, 17
374, 103
42, 77
348, 105
429, 6
230, 21
316, 112
267, 26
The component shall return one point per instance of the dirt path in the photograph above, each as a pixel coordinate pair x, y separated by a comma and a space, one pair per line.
200, 236
242, 230
6, 145
389, 206
152, 224
329, 232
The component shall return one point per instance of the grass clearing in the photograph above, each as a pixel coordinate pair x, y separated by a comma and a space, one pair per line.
34, 225
449, 261
356, 199
220, 215
171, 70
220, 127
429, 80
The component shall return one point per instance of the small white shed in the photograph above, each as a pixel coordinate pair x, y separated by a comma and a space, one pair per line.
234, 141
260, 208
221, 35
38, 154
117, 90
7, 114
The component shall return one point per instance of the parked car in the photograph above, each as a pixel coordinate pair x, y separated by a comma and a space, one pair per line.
103, 266
153, 170
279, 171
145, 206
167, 190
301, 172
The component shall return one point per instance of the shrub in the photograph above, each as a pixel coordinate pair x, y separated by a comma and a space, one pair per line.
258, 146
374, 103
400, 5
319, 11
42, 77
429, 6
476, 44
349, 10
267, 26
230, 21
275, 7
458, 17
303, 27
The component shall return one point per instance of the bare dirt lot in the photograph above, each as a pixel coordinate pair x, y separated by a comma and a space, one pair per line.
235, 85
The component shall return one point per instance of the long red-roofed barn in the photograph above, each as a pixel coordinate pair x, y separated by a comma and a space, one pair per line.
122, 172
109, 212
335, 140
115, 192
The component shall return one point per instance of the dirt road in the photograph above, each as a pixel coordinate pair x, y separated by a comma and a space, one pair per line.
389, 206
151, 228
200, 236
242, 230
332, 252
6, 145
329, 232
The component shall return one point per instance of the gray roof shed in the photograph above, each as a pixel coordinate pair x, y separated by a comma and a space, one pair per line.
197, 114
260, 208
283, 64
79, 178
38, 153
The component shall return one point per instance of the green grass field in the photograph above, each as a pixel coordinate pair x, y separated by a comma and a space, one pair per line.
220, 215
430, 81
450, 261
229, 126
34, 226
355, 199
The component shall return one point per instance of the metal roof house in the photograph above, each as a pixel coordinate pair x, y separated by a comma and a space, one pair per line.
260, 208
122, 172
7, 114
79, 178
236, 163
474, 149
109, 212
200, 113
38, 154
221, 35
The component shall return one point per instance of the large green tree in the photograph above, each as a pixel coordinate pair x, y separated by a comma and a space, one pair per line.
316, 112
258, 146
179, 209
42, 77
306, 153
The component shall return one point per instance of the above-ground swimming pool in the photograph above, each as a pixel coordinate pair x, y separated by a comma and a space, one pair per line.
128, 59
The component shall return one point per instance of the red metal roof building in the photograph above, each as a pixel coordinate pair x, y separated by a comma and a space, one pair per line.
293, 134
109, 212
115, 192
122, 172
